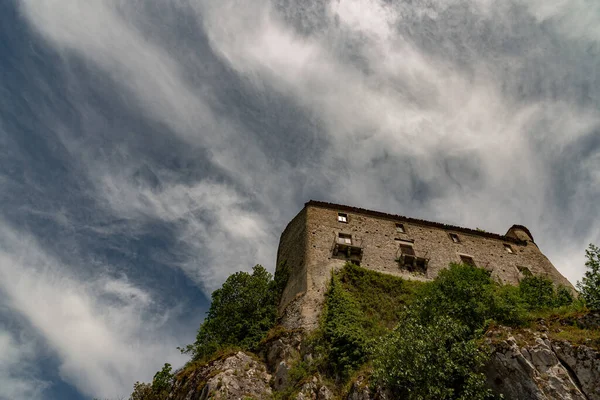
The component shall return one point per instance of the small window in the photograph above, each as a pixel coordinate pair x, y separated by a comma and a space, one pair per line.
344, 238
508, 249
400, 228
467, 260
343, 217
454, 237
407, 249
524, 270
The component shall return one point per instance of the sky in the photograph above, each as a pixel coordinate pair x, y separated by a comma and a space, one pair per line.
150, 148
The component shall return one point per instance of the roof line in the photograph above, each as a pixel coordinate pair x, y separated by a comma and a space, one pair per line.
417, 221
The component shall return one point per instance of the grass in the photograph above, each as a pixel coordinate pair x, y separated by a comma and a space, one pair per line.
380, 297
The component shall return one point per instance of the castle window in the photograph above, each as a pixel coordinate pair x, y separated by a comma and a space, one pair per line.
407, 249
524, 270
468, 260
345, 238
454, 237
342, 217
508, 249
400, 228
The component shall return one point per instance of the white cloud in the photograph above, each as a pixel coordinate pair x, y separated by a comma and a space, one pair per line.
214, 223
17, 369
411, 105
105, 34
577, 19
404, 129
103, 347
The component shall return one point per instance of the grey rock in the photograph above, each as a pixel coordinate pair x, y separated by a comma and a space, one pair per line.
584, 363
541, 372
235, 377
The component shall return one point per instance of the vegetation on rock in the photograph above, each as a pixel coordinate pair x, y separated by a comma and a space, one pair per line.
417, 340
589, 286
241, 312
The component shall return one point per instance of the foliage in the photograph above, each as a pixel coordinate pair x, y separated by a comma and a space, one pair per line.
380, 297
563, 297
240, 314
589, 286
142, 391
437, 360
343, 330
469, 295
163, 379
158, 390
434, 352
508, 307
361, 305
537, 292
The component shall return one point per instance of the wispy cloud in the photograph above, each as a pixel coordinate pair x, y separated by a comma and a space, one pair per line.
19, 377
103, 331
208, 124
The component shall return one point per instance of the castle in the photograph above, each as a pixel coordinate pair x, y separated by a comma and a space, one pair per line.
324, 236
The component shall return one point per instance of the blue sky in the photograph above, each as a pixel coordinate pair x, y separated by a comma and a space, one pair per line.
148, 149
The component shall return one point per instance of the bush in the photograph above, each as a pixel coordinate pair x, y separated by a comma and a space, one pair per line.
437, 360
468, 295
508, 307
240, 314
158, 390
343, 332
537, 292
589, 286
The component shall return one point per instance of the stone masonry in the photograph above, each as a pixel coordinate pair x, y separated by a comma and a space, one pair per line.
324, 236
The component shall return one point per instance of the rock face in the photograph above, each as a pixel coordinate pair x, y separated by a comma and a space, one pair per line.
539, 369
545, 370
280, 354
584, 363
314, 389
237, 376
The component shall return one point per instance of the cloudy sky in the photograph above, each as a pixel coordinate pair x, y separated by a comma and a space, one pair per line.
150, 148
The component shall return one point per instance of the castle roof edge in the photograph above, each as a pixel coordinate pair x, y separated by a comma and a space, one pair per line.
417, 221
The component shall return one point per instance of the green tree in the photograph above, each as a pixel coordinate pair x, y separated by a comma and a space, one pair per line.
163, 380
537, 292
437, 360
240, 314
462, 292
142, 391
589, 286
343, 330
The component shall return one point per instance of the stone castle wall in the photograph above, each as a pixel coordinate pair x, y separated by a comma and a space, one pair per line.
307, 246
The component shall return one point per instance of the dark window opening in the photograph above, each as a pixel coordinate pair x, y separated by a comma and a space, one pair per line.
408, 258
400, 228
467, 260
342, 217
407, 249
524, 270
454, 237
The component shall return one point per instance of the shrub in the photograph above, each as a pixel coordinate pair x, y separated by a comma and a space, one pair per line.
462, 292
508, 307
589, 286
537, 292
240, 314
437, 360
163, 380
343, 332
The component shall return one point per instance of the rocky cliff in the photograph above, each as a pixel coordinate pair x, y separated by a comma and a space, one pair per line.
524, 364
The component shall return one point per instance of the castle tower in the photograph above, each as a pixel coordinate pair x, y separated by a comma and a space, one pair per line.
324, 236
